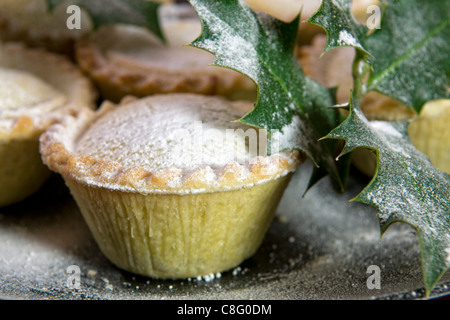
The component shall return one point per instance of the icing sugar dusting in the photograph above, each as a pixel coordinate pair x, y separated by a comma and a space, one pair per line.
390, 133
290, 135
386, 127
124, 44
15, 91
182, 131
345, 38
228, 46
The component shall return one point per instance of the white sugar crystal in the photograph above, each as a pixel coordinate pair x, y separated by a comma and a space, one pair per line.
184, 133
385, 127
345, 38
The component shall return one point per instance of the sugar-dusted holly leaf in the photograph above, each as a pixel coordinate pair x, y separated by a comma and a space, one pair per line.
406, 187
409, 54
336, 18
412, 52
137, 12
291, 107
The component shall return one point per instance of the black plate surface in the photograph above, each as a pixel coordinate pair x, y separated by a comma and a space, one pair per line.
319, 246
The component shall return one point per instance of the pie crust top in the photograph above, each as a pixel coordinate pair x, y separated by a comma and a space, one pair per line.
134, 60
172, 143
37, 88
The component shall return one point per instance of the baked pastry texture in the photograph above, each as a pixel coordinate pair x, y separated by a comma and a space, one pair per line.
37, 89
128, 60
169, 185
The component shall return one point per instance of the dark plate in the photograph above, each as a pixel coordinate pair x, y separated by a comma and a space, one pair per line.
319, 246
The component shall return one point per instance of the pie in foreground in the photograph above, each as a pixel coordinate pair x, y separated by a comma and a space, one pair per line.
170, 185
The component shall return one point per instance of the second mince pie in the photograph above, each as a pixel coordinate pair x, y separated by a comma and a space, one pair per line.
37, 89
129, 60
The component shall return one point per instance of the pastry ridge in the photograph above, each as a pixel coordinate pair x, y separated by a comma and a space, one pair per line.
56, 153
129, 77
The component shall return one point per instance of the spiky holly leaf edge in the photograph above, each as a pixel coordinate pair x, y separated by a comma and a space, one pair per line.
432, 268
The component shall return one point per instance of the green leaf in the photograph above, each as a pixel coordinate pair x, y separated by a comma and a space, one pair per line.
290, 106
412, 52
409, 55
336, 18
142, 13
406, 187
408, 59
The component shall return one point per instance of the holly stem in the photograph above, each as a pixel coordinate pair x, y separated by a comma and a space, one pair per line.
360, 69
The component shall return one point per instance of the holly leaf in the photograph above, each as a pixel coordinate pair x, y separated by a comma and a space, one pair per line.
406, 187
292, 108
142, 13
407, 59
409, 55
412, 52
336, 18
